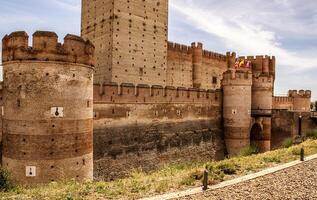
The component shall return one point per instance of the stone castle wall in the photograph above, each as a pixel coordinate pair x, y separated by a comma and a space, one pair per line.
285, 125
298, 101
192, 66
145, 127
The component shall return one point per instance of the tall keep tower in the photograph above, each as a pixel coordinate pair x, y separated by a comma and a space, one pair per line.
48, 108
130, 37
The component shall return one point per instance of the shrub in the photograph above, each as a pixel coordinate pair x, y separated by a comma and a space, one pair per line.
248, 151
227, 168
312, 134
272, 159
219, 170
296, 151
288, 142
5, 181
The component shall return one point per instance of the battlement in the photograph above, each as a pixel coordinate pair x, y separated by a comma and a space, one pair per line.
300, 93
197, 45
282, 99
262, 64
46, 48
231, 59
237, 77
179, 47
130, 93
213, 55
263, 79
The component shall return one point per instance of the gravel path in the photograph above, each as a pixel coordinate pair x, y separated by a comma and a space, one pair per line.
298, 182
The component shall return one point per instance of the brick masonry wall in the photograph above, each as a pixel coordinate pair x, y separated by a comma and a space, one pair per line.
285, 125
180, 66
130, 39
134, 129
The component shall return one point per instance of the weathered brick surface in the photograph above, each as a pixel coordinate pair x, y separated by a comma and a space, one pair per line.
37, 79
120, 149
144, 128
130, 39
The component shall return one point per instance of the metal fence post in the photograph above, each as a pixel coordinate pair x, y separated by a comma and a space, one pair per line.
302, 154
205, 180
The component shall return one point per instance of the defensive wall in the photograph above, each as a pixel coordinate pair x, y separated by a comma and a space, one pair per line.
285, 124
145, 127
193, 66
297, 101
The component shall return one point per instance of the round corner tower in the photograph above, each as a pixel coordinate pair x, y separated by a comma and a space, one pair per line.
262, 102
301, 100
236, 109
48, 108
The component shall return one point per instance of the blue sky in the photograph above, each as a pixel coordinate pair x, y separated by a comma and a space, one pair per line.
284, 28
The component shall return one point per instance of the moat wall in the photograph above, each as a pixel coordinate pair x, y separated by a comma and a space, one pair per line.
144, 128
285, 125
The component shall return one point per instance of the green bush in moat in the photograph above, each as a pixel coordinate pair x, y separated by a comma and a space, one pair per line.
312, 134
248, 151
288, 142
5, 181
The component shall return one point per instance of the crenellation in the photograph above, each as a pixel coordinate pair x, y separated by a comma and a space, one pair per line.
181, 48
300, 93
213, 55
16, 40
129, 93
198, 45
45, 41
231, 59
46, 48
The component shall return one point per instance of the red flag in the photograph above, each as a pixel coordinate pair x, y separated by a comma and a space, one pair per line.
236, 65
248, 65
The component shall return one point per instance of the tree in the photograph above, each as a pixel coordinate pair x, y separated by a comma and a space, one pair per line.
312, 106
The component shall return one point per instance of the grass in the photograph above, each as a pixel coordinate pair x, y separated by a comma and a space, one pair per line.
167, 179
5, 182
248, 151
312, 134
288, 142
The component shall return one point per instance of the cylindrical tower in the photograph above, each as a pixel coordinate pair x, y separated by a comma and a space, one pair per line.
237, 109
198, 70
301, 100
262, 104
48, 108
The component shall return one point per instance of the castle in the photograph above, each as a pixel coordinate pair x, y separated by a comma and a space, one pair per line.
122, 97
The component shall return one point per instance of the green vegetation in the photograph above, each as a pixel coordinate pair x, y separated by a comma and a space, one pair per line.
312, 134
167, 179
5, 182
248, 151
288, 142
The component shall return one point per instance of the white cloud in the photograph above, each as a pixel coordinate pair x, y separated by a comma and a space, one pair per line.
71, 5
240, 33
